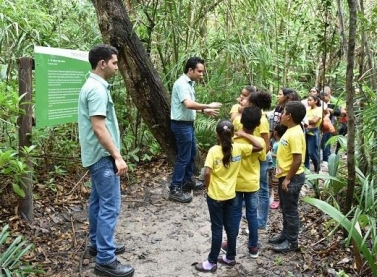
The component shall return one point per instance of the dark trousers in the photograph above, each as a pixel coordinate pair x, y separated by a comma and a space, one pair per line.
312, 150
341, 131
186, 145
325, 148
222, 215
289, 207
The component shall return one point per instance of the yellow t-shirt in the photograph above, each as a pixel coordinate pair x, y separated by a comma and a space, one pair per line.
237, 123
249, 174
311, 113
292, 142
263, 128
234, 108
223, 180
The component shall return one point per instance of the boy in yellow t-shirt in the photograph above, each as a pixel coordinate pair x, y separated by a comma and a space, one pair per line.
248, 179
290, 172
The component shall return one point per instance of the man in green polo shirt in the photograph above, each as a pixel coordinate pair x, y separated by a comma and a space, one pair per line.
100, 153
183, 113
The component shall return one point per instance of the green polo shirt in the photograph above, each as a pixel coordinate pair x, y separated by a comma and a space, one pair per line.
183, 89
94, 100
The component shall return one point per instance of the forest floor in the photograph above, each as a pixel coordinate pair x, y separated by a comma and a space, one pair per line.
165, 238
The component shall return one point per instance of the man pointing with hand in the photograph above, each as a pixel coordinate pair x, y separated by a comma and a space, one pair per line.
183, 113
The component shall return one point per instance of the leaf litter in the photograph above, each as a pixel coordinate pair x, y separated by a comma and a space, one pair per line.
164, 238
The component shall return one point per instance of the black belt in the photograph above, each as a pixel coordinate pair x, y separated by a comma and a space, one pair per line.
183, 122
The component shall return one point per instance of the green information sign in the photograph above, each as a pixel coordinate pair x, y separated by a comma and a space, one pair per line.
59, 76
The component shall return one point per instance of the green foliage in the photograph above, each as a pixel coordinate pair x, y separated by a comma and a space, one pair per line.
205, 132
11, 165
11, 257
370, 253
63, 23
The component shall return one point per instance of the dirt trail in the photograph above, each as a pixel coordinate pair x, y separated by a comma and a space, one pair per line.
165, 238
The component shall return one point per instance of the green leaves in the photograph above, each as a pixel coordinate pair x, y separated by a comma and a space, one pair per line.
11, 260
369, 254
12, 165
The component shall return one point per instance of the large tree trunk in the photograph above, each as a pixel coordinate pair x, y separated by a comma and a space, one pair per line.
141, 78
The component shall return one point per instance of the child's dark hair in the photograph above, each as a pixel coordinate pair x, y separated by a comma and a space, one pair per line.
287, 91
250, 89
280, 130
250, 117
225, 131
297, 111
314, 89
262, 99
290, 94
101, 52
192, 63
316, 100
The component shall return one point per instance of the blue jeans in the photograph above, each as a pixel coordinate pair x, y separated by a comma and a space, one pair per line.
326, 148
312, 151
251, 203
104, 207
289, 207
269, 160
263, 196
221, 214
186, 146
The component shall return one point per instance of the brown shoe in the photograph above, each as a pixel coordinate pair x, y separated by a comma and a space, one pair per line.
222, 261
199, 267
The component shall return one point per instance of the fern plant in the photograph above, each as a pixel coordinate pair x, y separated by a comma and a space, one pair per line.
11, 257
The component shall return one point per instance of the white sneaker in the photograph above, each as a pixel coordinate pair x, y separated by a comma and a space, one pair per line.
325, 164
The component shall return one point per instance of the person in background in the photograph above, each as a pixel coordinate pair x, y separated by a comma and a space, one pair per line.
222, 165
100, 153
183, 114
290, 172
331, 111
284, 96
337, 108
314, 115
278, 133
313, 91
342, 130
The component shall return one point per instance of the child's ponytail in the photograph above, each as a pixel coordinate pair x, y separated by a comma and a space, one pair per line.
225, 132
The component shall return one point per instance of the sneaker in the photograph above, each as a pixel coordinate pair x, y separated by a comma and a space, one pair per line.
262, 230
119, 249
224, 246
114, 269
187, 186
179, 196
285, 246
277, 239
253, 252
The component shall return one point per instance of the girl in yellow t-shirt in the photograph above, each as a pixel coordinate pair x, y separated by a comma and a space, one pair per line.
261, 99
314, 116
236, 109
222, 165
